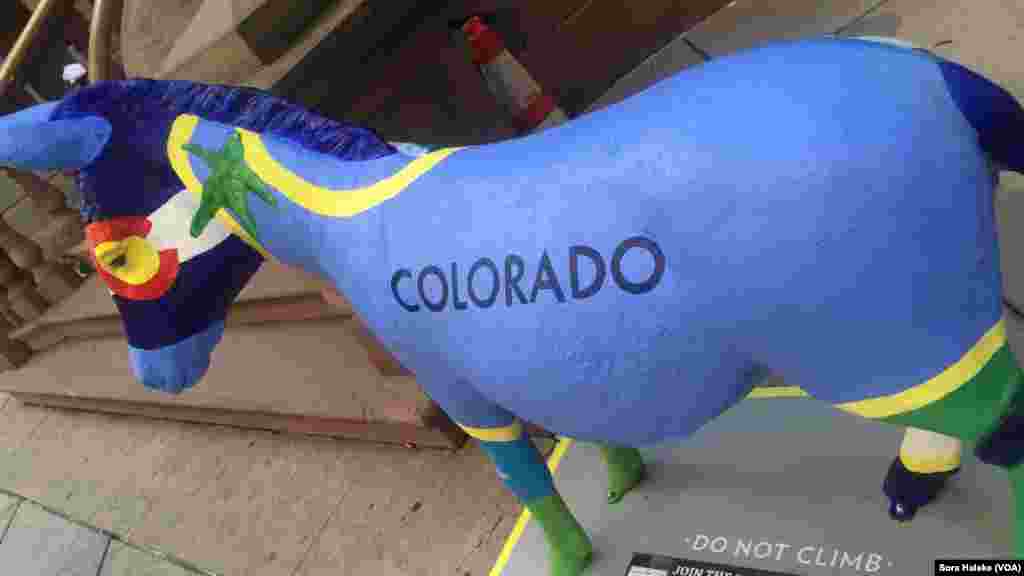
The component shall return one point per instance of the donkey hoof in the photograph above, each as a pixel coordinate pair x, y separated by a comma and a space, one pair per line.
901, 512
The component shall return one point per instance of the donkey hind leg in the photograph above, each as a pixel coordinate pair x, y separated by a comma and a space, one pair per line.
927, 460
523, 470
978, 400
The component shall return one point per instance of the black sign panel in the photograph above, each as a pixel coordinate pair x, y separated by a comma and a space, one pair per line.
655, 565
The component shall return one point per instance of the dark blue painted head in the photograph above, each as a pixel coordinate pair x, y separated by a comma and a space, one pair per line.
171, 289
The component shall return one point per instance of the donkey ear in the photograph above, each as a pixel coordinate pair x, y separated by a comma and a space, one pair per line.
30, 140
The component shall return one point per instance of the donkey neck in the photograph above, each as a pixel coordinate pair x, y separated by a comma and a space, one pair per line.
317, 199
323, 206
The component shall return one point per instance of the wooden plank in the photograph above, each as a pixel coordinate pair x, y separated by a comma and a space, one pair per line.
415, 82
674, 57
272, 280
42, 336
746, 23
274, 27
315, 368
13, 353
209, 48
368, 36
430, 92
427, 435
149, 35
273, 72
378, 355
601, 43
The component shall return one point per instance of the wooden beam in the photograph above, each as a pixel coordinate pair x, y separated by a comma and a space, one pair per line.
13, 354
300, 308
273, 28
603, 41
372, 33
379, 356
43, 194
433, 434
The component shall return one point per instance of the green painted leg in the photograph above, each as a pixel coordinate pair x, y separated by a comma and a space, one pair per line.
625, 470
570, 550
974, 409
1017, 489
524, 471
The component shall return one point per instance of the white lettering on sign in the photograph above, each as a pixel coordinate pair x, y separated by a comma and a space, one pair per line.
820, 556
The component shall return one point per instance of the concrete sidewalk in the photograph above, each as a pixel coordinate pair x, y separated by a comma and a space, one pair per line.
233, 501
41, 542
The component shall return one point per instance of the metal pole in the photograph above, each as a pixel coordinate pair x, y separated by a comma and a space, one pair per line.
105, 15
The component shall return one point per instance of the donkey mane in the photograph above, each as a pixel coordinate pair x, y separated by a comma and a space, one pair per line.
244, 107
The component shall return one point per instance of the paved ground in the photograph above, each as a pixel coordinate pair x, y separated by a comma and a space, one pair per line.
250, 502
38, 541
257, 503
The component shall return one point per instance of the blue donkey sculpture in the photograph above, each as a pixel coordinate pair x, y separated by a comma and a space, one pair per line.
822, 209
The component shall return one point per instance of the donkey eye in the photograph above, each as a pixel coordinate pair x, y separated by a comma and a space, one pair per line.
112, 254
132, 265
133, 260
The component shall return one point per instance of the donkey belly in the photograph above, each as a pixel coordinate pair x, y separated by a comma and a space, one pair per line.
615, 335
631, 373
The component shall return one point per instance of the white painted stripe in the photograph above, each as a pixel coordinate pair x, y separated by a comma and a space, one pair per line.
892, 41
171, 223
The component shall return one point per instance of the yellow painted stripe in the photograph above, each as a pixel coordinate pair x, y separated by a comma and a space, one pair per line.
949, 380
517, 531
181, 134
509, 433
778, 392
340, 203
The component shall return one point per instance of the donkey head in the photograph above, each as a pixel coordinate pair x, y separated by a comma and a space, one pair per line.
172, 287
173, 257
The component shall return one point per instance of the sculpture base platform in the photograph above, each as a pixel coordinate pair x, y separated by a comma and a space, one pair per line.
785, 486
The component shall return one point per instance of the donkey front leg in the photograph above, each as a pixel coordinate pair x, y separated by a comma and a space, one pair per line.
625, 469
524, 472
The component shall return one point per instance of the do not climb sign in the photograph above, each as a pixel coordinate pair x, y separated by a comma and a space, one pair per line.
656, 565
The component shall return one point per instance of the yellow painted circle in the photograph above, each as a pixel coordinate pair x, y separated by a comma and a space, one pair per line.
132, 260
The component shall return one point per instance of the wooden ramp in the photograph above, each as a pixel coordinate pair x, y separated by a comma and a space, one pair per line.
289, 361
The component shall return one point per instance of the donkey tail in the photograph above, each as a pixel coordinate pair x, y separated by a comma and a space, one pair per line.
994, 113
998, 119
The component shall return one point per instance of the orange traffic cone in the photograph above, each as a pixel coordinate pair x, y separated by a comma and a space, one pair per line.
509, 81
